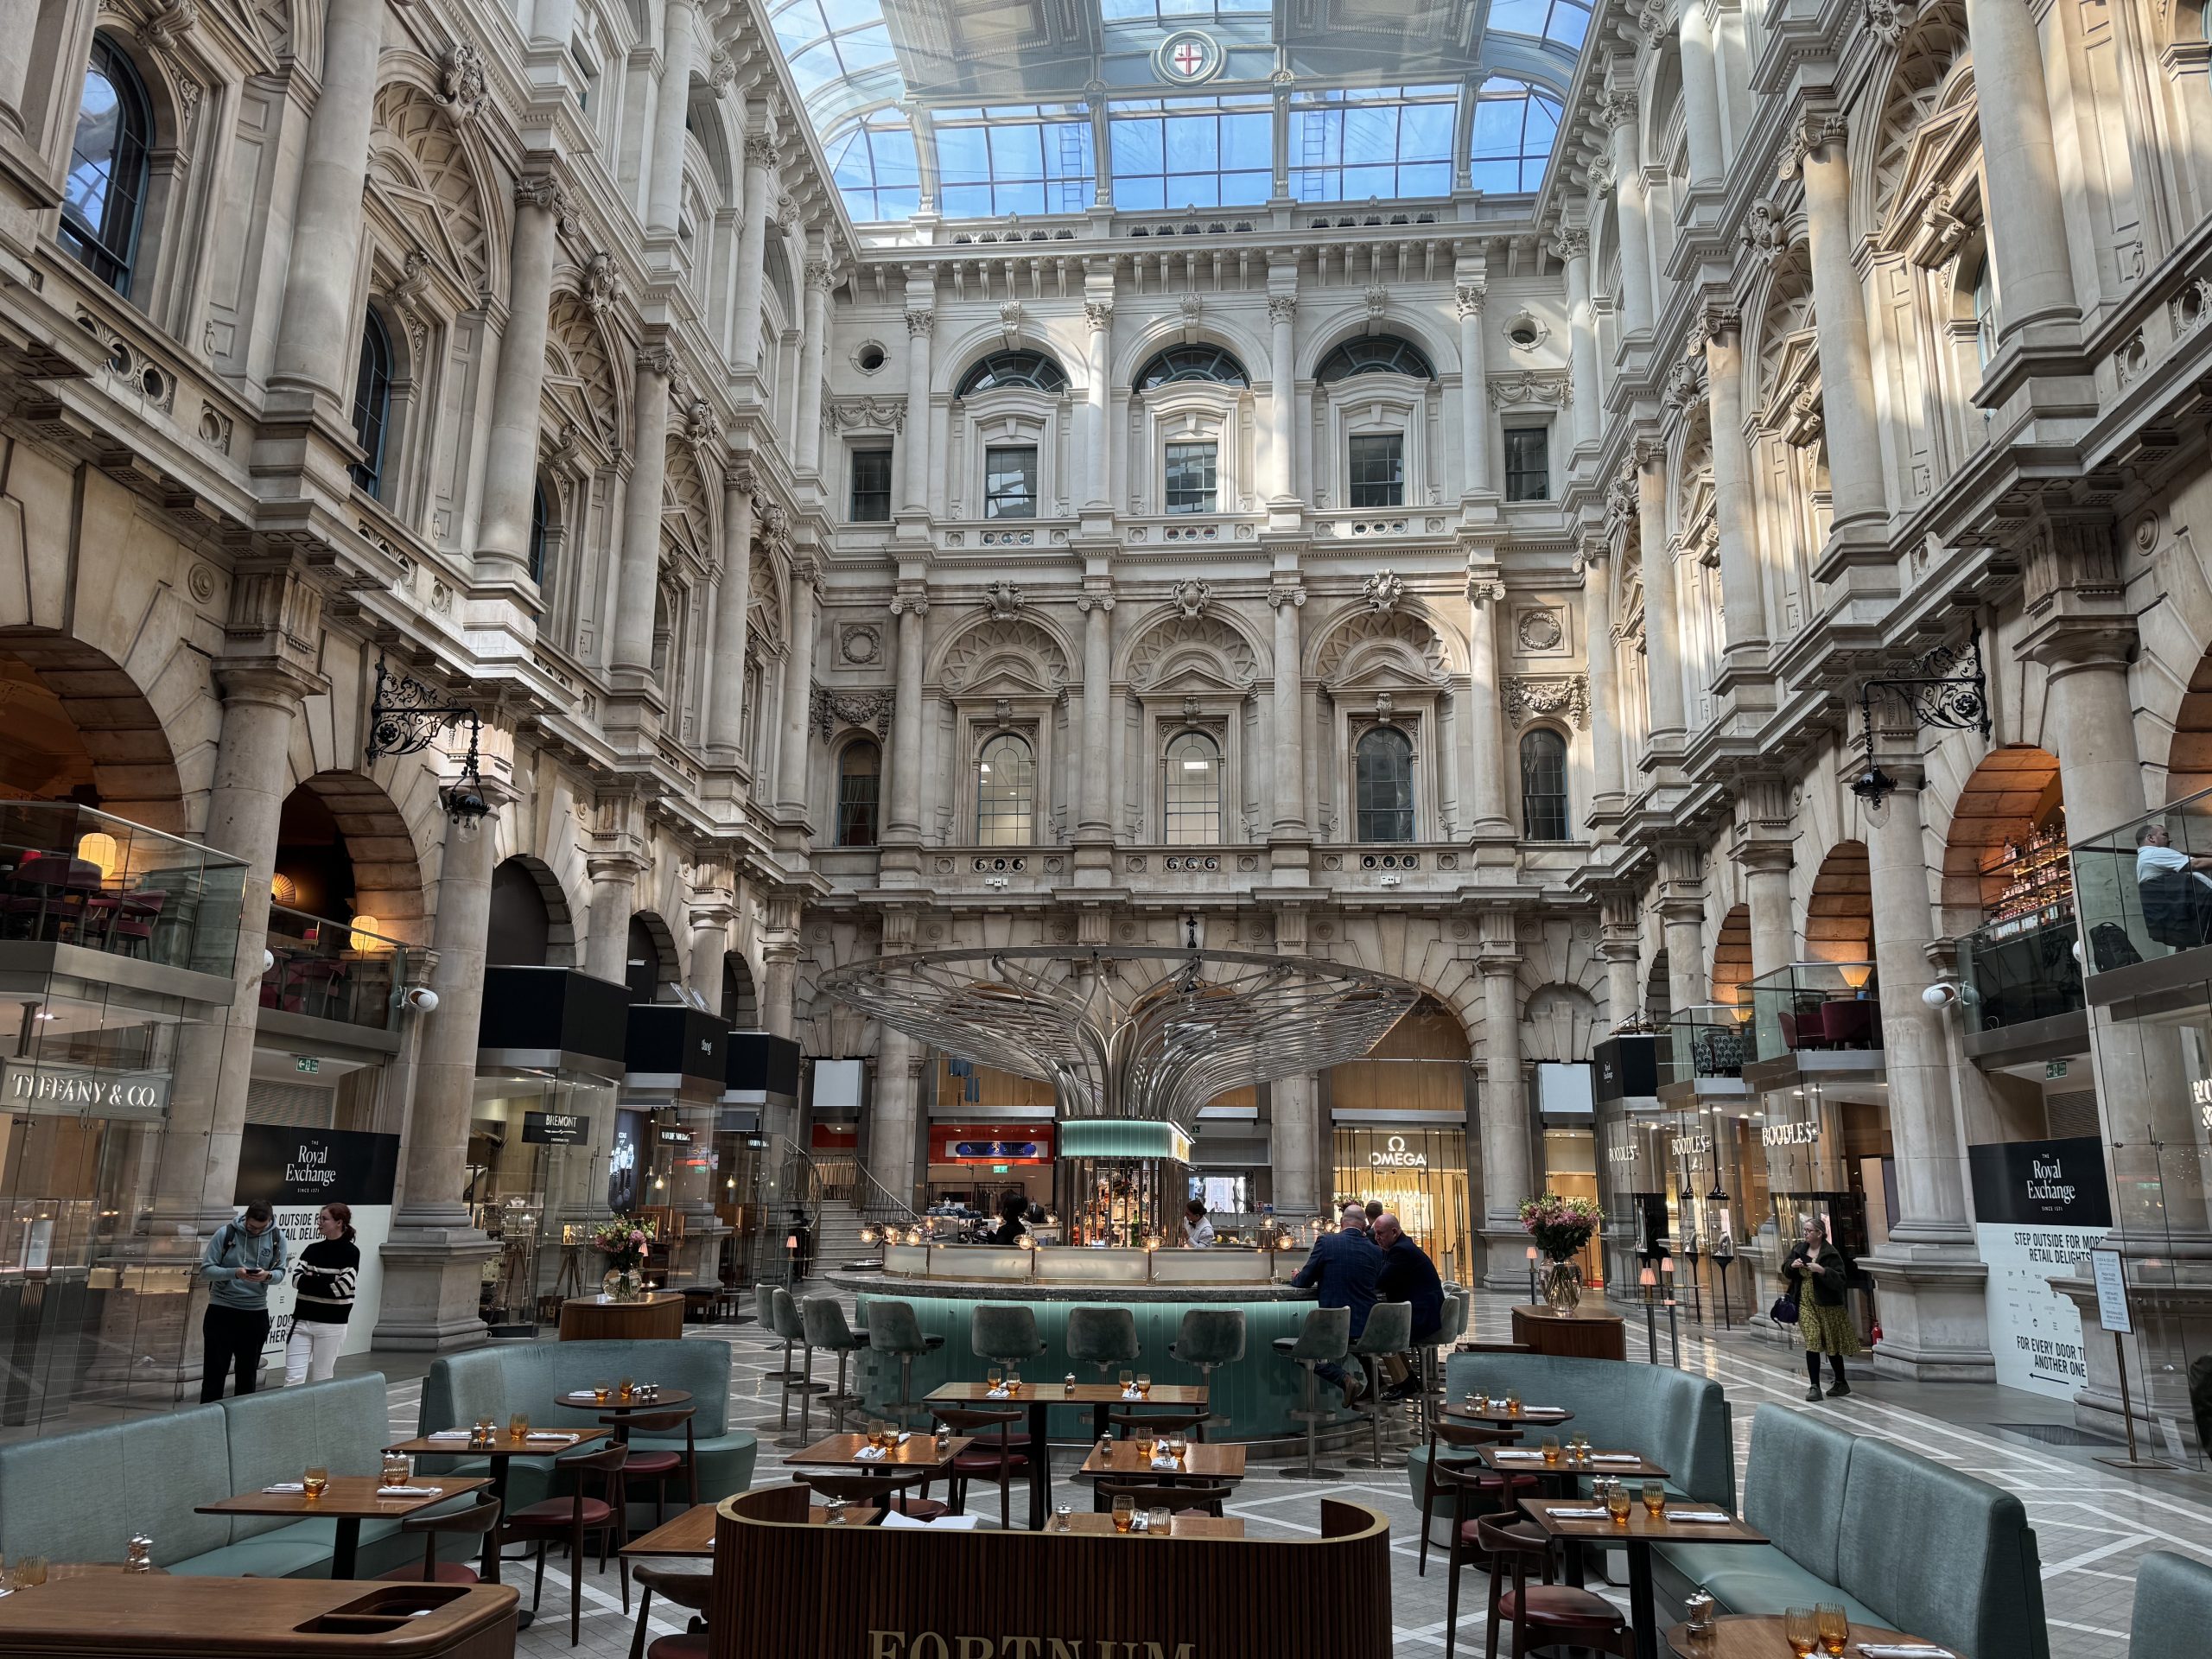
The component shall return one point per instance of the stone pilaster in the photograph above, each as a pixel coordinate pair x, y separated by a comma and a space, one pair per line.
1508, 1171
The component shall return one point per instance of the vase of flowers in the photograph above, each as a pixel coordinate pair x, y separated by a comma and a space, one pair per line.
623, 1242
1561, 1228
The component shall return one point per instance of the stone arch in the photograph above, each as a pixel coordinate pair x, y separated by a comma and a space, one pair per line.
1932, 71
580, 384
434, 182
740, 993
2013, 790
1169, 642
1839, 910
101, 723
1437, 341
1163, 325
1406, 638
1786, 314
651, 956
559, 946
1017, 645
764, 595
1731, 957
1559, 1022
387, 878
2189, 752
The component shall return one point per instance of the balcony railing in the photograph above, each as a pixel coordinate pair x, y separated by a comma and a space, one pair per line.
2134, 890
1709, 1042
70, 875
1816, 1007
2009, 976
334, 970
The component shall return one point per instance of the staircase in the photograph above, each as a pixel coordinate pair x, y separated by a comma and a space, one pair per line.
837, 1227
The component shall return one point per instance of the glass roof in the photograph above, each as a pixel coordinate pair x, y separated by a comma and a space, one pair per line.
984, 109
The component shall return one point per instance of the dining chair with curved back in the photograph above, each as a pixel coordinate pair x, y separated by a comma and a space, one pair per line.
1462, 1477
661, 1464
476, 1520
1542, 1615
574, 1518
1195, 1499
996, 1452
686, 1588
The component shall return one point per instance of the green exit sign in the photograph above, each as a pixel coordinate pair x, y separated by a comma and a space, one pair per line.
1001, 1169
2054, 1069
306, 1063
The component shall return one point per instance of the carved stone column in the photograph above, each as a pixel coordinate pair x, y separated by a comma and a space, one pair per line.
1486, 788
1506, 1166
1286, 719
1594, 555
1617, 944
637, 581
1663, 633
1467, 298
1629, 216
542, 206
806, 436
726, 686
1743, 600
798, 694
1764, 849
755, 210
1098, 608
903, 822
1681, 915
921, 322
1097, 391
1571, 248
1701, 98
1283, 383
671, 111
1855, 475
2019, 157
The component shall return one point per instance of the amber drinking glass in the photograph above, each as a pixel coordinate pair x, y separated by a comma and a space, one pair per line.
519, 1425
1128, 1380
28, 1573
1800, 1631
1161, 1521
1655, 1499
396, 1470
1512, 1403
1125, 1513
316, 1481
1549, 1446
994, 1375
1148, 1443
1144, 1383
1832, 1626
1616, 1503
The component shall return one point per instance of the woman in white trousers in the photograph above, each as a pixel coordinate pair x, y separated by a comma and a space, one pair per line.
324, 1278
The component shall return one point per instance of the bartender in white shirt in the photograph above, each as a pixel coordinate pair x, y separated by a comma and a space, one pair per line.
1198, 1231
2155, 855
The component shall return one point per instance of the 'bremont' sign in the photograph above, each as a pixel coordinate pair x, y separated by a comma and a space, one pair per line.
928, 1644
74, 1088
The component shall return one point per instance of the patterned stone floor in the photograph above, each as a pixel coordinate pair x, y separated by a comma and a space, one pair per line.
2093, 1523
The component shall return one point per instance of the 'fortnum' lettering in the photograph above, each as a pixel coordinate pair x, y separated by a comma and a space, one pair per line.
930, 1644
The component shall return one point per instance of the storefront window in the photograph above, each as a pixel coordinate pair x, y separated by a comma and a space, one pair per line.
533, 1182
1421, 1172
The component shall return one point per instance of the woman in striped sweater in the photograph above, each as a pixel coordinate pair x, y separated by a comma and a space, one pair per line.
324, 1279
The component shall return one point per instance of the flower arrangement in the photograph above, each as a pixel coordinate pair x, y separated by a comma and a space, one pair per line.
626, 1242
1560, 1226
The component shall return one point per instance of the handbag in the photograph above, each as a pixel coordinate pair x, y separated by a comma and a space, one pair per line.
1785, 1310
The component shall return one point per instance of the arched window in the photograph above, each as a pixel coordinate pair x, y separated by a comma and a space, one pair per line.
1002, 369
372, 405
1544, 785
1192, 363
1375, 354
1006, 793
1383, 784
1515, 125
537, 532
1984, 311
859, 773
1190, 792
105, 192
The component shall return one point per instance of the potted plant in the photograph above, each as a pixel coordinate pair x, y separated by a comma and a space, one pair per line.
624, 1241
1561, 1228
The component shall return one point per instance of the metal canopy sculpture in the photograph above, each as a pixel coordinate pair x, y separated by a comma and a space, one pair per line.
1130, 1032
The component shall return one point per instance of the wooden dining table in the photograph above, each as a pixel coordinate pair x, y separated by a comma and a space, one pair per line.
1637, 1534
1758, 1636
502, 1453
1097, 1524
348, 1500
690, 1535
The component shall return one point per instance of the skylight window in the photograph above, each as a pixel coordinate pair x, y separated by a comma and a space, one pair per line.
1176, 14
874, 164
1515, 125
826, 40
1192, 152
1020, 158
1562, 20
1349, 143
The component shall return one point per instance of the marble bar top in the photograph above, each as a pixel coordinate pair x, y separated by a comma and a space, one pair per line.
907, 1286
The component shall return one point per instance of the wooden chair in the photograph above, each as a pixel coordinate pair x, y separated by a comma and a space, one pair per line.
877, 1491
478, 1519
1184, 1500
998, 1455
1544, 1615
693, 1589
657, 1464
1461, 1479
574, 1518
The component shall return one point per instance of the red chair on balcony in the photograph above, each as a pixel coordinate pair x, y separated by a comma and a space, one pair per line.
1851, 1024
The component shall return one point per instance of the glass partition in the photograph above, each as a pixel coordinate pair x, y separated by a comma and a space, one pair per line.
2145, 890
1706, 1041
1814, 1006
333, 970
2009, 974
70, 875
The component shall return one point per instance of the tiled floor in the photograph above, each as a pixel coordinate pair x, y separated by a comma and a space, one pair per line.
2092, 1522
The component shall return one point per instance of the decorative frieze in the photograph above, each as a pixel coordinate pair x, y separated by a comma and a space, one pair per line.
832, 708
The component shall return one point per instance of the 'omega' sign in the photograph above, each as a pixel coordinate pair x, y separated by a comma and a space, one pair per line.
1791, 1135
1397, 1157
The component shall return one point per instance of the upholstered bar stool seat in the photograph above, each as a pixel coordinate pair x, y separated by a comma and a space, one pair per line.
1389, 1331
1323, 1339
1209, 1337
823, 1320
764, 1306
1105, 1338
894, 1333
791, 1326
1005, 1332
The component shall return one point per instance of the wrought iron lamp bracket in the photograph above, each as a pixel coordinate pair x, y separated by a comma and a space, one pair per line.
404, 719
1949, 693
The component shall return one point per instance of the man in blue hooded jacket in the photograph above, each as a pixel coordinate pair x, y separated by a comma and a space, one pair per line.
243, 1259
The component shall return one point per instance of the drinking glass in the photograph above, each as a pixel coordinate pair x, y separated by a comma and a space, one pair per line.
994, 1375
1160, 1523
1655, 1498
519, 1425
30, 1573
874, 1432
396, 1469
1146, 1444
1832, 1626
1128, 1380
1179, 1448
1125, 1515
1800, 1630
1144, 1382
1616, 1503
599, 1393
625, 1387
1512, 1403
316, 1481
1013, 1381
1549, 1446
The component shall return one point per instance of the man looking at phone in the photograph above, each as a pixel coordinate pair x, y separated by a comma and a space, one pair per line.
241, 1262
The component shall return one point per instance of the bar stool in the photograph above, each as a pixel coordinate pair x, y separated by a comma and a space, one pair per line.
763, 1307
1322, 1339
791, 1327
823, 1320
1432, 1373
1103, 1337
1207, 1338
894, 1333
1390, 1329
1005, 1332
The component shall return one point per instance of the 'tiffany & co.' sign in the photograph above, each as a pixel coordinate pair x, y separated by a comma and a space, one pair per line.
27, 1087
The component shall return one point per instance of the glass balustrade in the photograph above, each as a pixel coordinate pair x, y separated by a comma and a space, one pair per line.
2143, 890
1711, 1041
1814, 1006
332, 970
71, 876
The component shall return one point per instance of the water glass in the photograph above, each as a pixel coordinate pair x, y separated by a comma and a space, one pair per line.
1655, 1498
316, 1480
1549, 1446
994, 1375
1144, 1382
1512, 1403
1160, 1523
396, 1469
599, 1393
1616, 1503
1146, 1444
30, 1573
1832, 1626
519, 1425
1125, 1515
1128, 1380
1013, 1381
1800, 1630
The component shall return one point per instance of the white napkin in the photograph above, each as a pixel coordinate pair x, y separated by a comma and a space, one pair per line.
943, 1523
1543, 1411
1902, 1651
1131, 1393
998, 1394
449, 1434
410, 1491
872, 1454
1519, 1457
285, 1486
1614, 1457
1576, 1514
1697, 1515
552, 1434
1165, 1463
905, 1436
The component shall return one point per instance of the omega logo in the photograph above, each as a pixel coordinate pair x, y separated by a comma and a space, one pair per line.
1397, 1157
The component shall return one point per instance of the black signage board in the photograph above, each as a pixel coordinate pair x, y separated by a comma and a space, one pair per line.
2051, 1183
280, 1164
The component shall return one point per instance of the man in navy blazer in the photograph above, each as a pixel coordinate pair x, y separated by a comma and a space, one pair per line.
1345, 1267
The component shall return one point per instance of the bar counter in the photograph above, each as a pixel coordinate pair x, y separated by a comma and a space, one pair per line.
289, 1618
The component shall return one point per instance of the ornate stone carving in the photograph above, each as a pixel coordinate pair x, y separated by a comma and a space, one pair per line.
919, 324
787, 210
1565, 696
1813, 129
859, 643
1483, 588
1294, 594
656, 359
1685, 383
1378, 300
820, 274
1617, 110
1538, 629
760, 150
461, 80
1886, 19
1764, 235
1467, 298
1569, 243
1191, 598
1010, 323
547, 193
599, 284
869, 412
721, 71
168, 22
1536, 387
740, 476
1098, 315
1282, 308
1600, 171
567, 443
1190, 308
1003, 599
1652, 22
1023, 649
1204, 643
700, 425
1382, 592
869, 708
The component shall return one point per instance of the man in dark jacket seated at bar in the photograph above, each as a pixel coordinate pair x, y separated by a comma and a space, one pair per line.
1345, 1267
1409, 1276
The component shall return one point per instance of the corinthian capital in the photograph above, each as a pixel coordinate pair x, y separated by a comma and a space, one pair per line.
1098, 315
760, 150
920, 323
1570, 244
1618, 110
1467, 299
1282, 308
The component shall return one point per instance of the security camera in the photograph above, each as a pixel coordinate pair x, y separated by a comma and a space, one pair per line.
1939, 995
268, 961
420, 998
